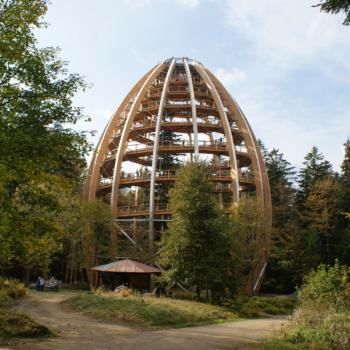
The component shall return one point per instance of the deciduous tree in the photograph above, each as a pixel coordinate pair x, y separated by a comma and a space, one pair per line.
41, 156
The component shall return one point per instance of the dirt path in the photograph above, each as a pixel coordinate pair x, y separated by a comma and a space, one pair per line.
77, 331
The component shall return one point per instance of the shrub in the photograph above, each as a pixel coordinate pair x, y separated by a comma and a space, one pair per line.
13, 288
326, 284
5, 300
323, 315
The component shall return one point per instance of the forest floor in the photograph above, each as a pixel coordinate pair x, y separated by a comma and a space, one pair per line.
77, 331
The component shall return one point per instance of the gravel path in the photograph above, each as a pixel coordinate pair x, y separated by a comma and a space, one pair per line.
77, 331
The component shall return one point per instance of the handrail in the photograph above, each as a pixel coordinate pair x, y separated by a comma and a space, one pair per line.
148, 122
169, 174
159, 207
145, 106
142, 208
217, 144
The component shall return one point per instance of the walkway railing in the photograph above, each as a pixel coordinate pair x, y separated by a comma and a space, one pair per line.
217, 175
146, 106
160, 208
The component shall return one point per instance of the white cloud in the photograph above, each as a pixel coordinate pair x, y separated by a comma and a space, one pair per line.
188, 3
230, 77
286, 38
290, 32
274, 122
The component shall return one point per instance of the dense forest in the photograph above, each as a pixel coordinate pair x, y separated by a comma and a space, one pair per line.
310, 216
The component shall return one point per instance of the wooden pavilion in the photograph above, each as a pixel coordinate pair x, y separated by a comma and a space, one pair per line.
130, 273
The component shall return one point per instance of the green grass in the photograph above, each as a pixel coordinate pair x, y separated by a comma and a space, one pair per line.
149, 312
276, 344
263, 306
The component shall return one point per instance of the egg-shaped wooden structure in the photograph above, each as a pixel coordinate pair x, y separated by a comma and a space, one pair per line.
178, 112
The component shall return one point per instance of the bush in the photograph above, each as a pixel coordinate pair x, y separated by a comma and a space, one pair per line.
5, 300
326, 284
12, 288
323, 315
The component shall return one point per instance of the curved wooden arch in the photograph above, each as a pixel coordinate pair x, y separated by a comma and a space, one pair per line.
102, 145
124, 137
264, 194
227, 128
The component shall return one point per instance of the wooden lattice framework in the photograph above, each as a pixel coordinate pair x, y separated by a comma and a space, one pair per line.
183, 97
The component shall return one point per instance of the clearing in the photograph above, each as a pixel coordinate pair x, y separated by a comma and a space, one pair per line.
78, 331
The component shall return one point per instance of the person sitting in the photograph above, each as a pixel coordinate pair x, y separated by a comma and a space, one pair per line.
39, 284
53, 284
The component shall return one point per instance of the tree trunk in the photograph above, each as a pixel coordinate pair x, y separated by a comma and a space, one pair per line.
206, 290
198, 292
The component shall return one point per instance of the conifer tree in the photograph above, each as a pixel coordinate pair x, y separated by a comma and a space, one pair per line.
316, 207
280, 275
319, 239
342, 226
336, 6
196, 247
345, 178
315, 168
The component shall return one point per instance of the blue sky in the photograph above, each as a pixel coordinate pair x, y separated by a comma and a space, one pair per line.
287, 64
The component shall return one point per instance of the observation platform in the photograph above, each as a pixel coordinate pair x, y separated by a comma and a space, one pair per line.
221, 178
135, 153
142, 211
148, 126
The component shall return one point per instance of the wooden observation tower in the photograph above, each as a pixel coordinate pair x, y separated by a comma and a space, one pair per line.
178, 112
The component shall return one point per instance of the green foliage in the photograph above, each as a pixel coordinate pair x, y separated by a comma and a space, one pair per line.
83, 223
320, 209
262, 306
336, 6
277, 344
12, 288
325, 233
151, 312
326, 284
166, 162
36, 93
315, 168
280, 273
323, 315
41, 157
196, 247
309, 226
342, 222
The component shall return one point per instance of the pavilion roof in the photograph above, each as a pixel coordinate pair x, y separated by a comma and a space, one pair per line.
126, 266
